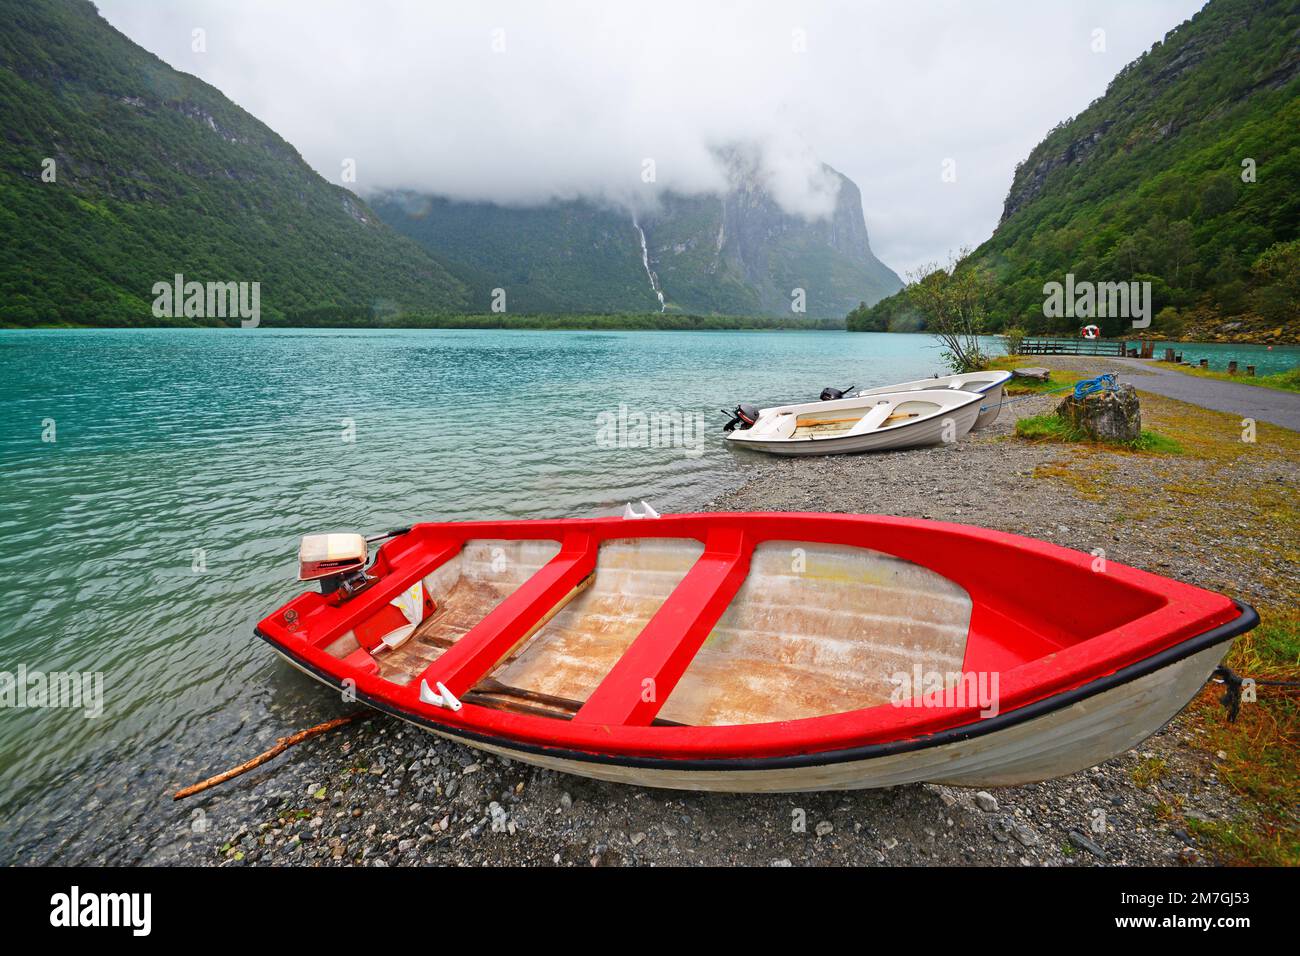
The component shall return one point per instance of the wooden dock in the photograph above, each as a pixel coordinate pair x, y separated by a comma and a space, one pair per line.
1074, 346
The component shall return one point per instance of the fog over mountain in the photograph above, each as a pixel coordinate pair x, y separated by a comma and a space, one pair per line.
520, 103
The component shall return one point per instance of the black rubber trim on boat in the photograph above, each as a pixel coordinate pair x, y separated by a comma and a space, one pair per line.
1246, 621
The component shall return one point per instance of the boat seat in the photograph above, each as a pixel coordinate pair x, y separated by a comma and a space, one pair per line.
516, 618
874, 418
781, 425
666, 646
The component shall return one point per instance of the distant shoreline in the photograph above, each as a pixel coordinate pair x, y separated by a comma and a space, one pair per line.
594, 322
648, 322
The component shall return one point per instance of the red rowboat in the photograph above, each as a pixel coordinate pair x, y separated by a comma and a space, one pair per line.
760, 652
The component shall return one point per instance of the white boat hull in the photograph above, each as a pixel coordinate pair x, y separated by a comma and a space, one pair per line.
1064, 741
942, 426
991, 407
920, 435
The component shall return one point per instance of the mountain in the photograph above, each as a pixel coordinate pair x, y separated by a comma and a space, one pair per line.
1185, 174
156, 173
118, 173
735, 253
561, 257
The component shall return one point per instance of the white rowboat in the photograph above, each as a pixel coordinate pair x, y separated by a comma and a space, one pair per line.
988, 384
875, 422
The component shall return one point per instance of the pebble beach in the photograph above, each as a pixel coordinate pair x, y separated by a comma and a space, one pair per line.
383, 793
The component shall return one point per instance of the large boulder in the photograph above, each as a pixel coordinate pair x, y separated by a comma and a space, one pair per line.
1105, 416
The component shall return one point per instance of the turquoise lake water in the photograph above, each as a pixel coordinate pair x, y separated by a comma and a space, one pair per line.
162, 522
1279, 358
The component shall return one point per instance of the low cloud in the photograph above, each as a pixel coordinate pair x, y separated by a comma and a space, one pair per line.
522, 102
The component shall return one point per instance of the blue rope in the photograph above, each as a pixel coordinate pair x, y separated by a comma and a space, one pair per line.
1105, 382
1102, 383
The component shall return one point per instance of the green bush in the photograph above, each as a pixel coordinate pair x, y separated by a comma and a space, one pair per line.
1012, 339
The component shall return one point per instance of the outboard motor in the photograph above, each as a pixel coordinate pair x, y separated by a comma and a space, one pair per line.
742, 417
830, 394
337, 561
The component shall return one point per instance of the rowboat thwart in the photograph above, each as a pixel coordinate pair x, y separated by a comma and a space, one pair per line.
757, 652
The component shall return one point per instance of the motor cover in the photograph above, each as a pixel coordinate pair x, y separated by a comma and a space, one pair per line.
326, 555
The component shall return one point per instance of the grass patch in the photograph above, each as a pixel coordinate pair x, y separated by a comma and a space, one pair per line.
1055, 428
1081, 479
1288, 381
1156, 444
1258, 755
1242, 843
1171, 809
1057, 382
1047, 428
1148, 772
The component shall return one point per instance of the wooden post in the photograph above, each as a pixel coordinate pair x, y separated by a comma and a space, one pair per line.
1169, 355
1232, 368
1250, 370
1205, 363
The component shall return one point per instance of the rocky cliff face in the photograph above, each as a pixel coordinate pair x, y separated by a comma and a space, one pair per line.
746, 237
738, 253
1031, 176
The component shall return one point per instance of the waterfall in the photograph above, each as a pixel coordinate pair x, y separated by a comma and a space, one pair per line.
645, 261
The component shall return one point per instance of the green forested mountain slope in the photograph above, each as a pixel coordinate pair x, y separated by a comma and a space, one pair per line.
1147, 185
158, 173
736, 253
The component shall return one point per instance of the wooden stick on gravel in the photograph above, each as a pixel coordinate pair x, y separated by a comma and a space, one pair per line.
281, 745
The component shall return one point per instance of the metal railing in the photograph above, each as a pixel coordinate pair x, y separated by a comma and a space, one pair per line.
1078, 346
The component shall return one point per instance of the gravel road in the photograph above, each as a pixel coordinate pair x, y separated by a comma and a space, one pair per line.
1249, 401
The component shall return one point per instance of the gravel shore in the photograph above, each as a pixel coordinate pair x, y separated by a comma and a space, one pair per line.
382, 793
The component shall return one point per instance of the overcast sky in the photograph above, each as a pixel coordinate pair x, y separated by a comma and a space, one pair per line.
522, 101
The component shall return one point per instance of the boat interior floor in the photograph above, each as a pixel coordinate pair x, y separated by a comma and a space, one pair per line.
869, 417
813, 629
